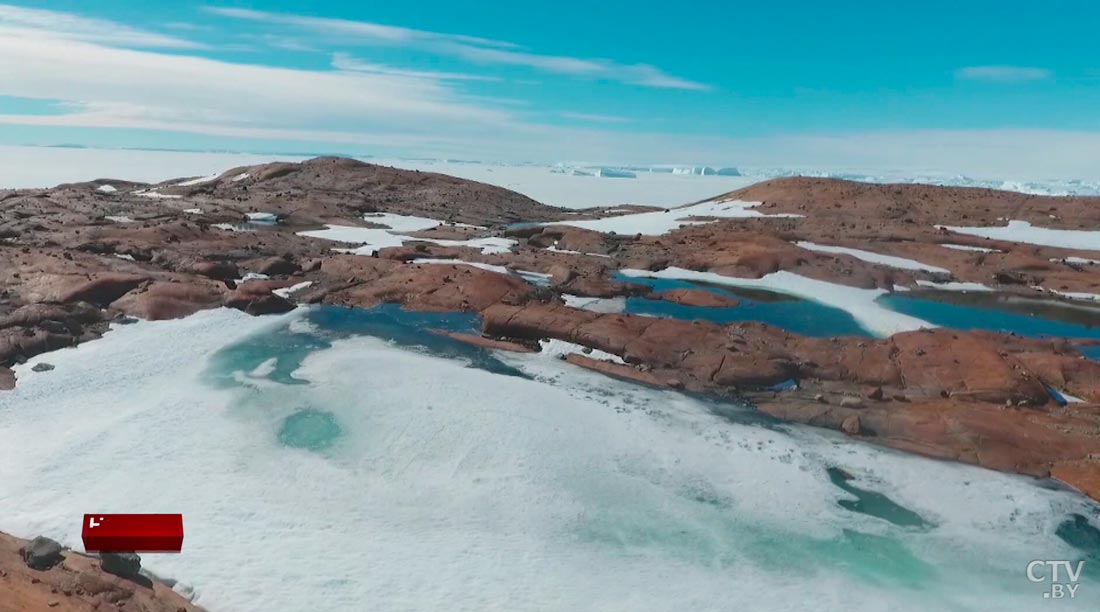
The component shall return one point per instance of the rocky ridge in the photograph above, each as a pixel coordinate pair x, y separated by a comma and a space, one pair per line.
77, 257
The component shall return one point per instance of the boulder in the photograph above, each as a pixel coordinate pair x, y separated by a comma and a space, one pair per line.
42, 553
168, 300
276, 266
7, 379
257, 299
851, 425
125, 565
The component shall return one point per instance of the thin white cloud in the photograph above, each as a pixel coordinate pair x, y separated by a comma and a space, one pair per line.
17, 21
596, 118
1003, 74
138, 88
373, 31
344, 61
472, 49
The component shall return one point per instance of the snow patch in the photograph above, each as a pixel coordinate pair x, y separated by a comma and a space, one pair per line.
106, 189
402, 223
967, 247
1022, 231
1080, 261
954, 286
119, 218
663, 221
286, 292
560, 348
595, 304
156, 195
198, 180
900, 263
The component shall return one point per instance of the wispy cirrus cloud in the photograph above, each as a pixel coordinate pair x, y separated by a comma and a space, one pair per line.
471, 49
347, 62
596, 118
26, 22
375, 32
1003, 74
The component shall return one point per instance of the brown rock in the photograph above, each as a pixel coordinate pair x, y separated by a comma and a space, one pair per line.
217, 270
490, 343
850, 425
697, 297
874, 393
165, 300
7, 379
257, 299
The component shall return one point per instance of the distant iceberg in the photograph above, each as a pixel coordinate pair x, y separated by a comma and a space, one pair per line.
615, 173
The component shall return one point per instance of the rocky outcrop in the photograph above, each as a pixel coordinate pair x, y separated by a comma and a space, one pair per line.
58, 580
41, 553
70, 263
969, 397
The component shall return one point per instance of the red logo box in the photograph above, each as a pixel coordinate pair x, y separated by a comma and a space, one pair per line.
152, 533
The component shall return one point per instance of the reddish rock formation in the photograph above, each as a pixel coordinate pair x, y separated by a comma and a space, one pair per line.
77, 584
696, 297
66, 270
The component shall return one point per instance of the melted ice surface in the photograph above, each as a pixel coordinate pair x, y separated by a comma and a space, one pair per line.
321, 472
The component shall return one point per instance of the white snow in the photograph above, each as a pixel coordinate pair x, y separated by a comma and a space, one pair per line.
876, 258
253, 276
1072, 295
488, 246
106, 189
125, 256
451, 488
605, 305
967, 247
462, 262
1080, 261
558, 348
954, 286
861, 304
402, 223
240, 177
373, 239
156, 195
193, 211
286, 292
263, 217
554, 249
664, 221
229, 227
118, 218
199, 180
1022, 231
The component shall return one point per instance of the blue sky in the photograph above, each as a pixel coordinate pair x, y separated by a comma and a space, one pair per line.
705, 81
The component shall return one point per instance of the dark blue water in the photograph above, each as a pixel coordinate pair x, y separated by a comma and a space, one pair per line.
796, 315
973, 317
